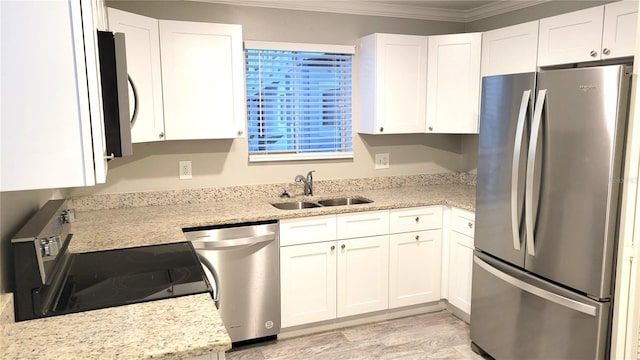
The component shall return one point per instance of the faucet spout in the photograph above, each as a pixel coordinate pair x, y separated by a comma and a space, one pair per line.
308, 182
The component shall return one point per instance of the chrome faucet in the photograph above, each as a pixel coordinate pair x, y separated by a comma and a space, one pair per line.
308, 182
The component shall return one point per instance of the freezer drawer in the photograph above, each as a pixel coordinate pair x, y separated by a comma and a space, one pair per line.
517, 316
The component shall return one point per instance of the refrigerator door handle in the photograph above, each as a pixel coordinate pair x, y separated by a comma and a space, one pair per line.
517, 151
544, 294
531, 160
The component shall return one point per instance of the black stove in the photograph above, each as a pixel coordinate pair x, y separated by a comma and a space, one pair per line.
51, 281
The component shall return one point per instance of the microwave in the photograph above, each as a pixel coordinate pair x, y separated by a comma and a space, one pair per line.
115, 93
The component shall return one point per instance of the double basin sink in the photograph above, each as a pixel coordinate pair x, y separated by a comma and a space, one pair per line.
298, 205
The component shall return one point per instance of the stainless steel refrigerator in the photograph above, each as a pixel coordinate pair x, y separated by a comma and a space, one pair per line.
549, 178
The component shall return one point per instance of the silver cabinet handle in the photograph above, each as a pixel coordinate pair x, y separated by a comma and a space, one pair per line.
206, 243
606, 51
417, 219
531, 161
343, 246
593, 53
547, 295
470, 225
333, 247
515, 166
430, 128
381, 129
240, 132
161, 135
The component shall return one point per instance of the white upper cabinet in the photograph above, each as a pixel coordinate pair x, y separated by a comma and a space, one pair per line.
202, 80
143, 64
601, 32
392, 83
510, 50
453, 83
618, 34
52, 132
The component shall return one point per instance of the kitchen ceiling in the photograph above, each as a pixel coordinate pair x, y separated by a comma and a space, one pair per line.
440, 10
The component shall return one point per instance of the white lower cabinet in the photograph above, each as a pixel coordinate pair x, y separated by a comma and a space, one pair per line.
308, 283
363, 275
335, 266
461, 259
414, 267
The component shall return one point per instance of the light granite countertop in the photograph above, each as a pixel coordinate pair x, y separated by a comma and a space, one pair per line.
175, 328
149, 225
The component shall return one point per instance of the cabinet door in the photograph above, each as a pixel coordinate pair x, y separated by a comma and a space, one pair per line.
619, 32
48, 81
202, 80
143, 64
308, 283
393, 75
510, 50
363, 275
453, 83
460, 267
571, 37
414, 267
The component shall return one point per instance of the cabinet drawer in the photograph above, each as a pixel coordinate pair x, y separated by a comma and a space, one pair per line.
307, 230
415, 219
463, 221
363, 224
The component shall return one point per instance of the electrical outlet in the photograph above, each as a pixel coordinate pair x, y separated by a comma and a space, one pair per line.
382, 161
185, 170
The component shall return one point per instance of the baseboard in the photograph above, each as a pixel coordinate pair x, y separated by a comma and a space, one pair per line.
356, 320
458, 313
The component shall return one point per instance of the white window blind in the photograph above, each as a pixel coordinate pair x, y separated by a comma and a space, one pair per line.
298, 104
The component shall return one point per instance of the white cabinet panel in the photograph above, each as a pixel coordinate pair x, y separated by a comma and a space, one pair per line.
392, 83
414, 219
571, 37
202, 80
143, 64
363, 275
52, 132
618, 34
463, 221
307, 230
460, 271
363, 224
510, 50
414, 267
308, 283
453, 83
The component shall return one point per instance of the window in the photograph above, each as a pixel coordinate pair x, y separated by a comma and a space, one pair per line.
298, 101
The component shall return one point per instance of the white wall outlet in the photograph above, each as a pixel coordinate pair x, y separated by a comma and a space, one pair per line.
382, 161
185, 170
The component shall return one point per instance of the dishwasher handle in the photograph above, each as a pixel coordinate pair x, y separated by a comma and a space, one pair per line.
207, 242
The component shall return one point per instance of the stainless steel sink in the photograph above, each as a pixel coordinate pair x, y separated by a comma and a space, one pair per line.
344, 201
295, 205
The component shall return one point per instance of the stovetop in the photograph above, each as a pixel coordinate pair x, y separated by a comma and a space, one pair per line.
124, 276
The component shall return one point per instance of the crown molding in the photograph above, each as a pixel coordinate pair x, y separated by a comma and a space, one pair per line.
499, 7
372, 8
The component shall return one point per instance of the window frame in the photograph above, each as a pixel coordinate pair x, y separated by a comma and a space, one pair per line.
302, 47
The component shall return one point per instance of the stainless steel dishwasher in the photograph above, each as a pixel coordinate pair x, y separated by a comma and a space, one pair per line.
242, 263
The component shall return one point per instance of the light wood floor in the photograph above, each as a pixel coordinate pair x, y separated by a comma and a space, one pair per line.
430, 336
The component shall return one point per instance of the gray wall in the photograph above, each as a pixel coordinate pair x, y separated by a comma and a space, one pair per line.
154, 166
